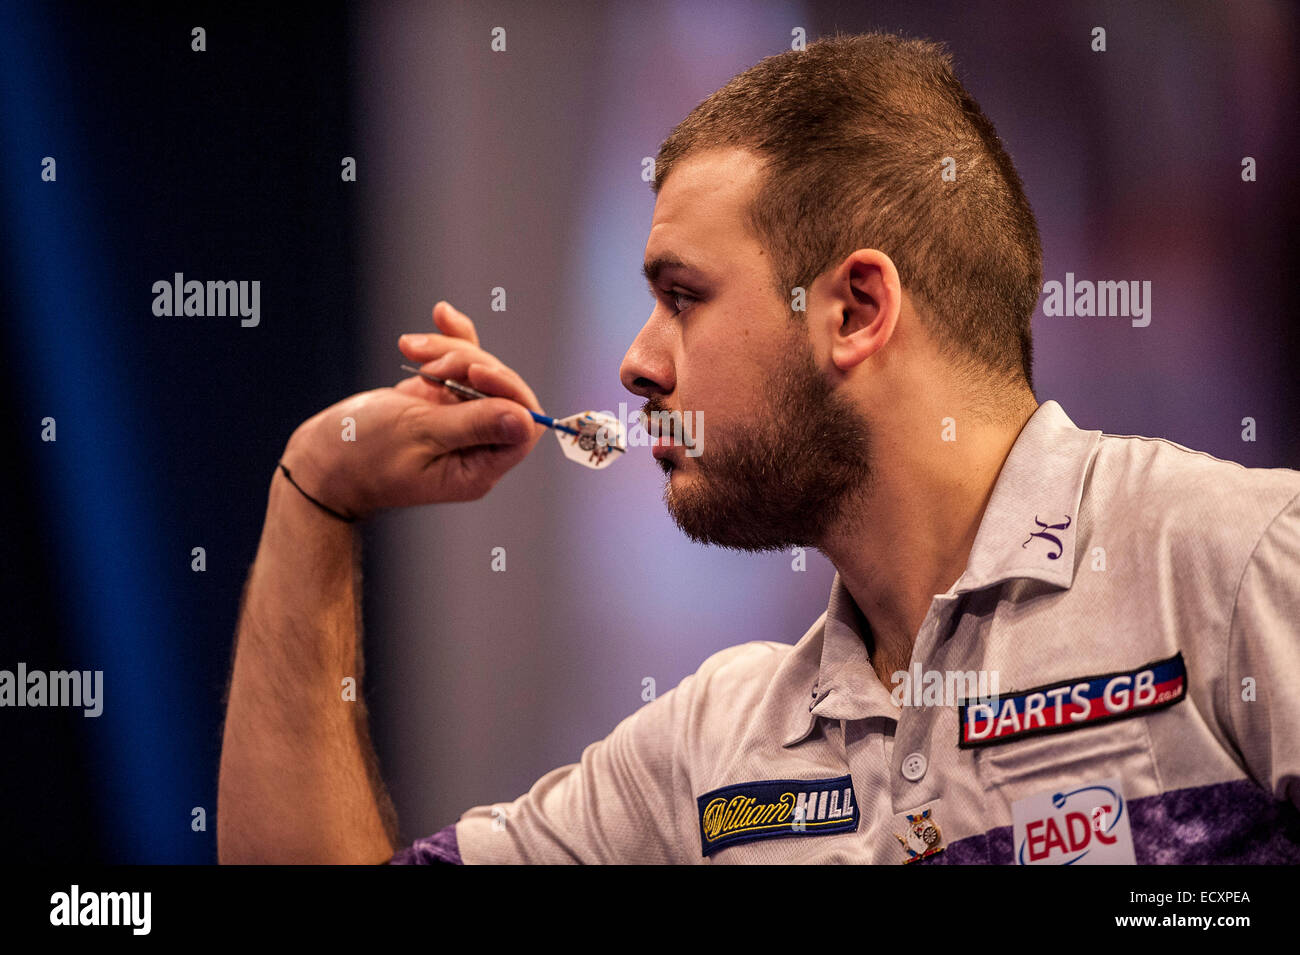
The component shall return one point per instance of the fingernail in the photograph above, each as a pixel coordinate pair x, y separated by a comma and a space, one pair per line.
512, 428
416, 341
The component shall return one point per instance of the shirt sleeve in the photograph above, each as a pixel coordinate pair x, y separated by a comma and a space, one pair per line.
620, 803
628, 799
1263, 665
617, 804
440, 848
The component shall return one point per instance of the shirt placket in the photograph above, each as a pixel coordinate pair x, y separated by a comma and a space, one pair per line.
916, 756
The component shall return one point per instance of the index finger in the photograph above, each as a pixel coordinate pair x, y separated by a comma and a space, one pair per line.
491, 378
451, 321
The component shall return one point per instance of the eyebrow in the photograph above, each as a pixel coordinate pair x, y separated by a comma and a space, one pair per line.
663, 263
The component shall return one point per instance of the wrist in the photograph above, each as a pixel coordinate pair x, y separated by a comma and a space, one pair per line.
321, 505
317, 485
291, 518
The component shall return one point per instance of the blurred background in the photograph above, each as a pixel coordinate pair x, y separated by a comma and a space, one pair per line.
521, 170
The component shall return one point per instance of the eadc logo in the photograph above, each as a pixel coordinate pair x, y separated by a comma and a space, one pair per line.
1088, 825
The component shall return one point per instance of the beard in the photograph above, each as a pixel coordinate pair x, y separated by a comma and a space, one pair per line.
800, 466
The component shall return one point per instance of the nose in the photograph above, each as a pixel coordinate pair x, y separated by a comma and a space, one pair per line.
647, 368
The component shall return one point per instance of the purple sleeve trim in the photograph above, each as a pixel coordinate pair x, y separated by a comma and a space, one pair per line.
439, 848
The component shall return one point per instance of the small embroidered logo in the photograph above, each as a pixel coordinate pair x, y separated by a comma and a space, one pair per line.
1042, 532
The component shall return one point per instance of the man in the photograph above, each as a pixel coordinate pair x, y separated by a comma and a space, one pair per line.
1043, 644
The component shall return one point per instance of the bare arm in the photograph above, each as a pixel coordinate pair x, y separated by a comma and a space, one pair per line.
299, 781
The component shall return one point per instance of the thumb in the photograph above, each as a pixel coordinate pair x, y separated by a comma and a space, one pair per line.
480, 421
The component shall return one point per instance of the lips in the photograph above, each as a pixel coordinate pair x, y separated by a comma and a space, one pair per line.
661, 445
662, 440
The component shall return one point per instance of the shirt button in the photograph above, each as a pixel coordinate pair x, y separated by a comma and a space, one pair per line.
914, 766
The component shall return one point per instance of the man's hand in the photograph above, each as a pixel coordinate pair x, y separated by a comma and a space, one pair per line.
299, 778
418, 443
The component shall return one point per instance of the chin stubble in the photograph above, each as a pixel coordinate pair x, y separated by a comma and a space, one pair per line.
783, 481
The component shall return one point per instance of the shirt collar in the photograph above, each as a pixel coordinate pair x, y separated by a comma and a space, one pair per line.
1028, 529
1030, 525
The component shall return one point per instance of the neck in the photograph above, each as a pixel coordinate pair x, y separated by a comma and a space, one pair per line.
910, 535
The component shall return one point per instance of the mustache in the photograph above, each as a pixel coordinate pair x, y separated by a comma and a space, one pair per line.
653, 410
655, 418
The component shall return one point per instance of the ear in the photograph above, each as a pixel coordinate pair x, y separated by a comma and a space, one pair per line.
860, 306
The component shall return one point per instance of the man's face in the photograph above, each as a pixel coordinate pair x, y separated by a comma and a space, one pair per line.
783, 456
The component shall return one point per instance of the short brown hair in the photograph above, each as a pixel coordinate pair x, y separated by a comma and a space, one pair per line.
855, 131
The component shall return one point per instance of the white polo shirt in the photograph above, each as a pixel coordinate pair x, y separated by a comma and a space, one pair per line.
1137, 604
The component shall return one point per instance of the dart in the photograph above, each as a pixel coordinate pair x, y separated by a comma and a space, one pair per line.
584, 437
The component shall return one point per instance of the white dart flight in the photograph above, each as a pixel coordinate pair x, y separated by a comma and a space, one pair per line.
592, 438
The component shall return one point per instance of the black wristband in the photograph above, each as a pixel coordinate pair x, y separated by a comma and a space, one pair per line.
324, 507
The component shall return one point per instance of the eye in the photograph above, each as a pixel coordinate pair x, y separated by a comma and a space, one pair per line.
675, 296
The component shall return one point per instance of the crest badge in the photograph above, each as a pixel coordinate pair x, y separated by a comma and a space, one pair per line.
923, 837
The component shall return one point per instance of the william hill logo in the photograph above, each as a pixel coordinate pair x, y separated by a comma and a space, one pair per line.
776, 807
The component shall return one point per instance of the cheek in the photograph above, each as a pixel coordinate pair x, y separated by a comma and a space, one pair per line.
721, 380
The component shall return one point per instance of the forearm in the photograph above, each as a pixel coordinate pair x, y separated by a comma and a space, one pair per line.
297, 780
